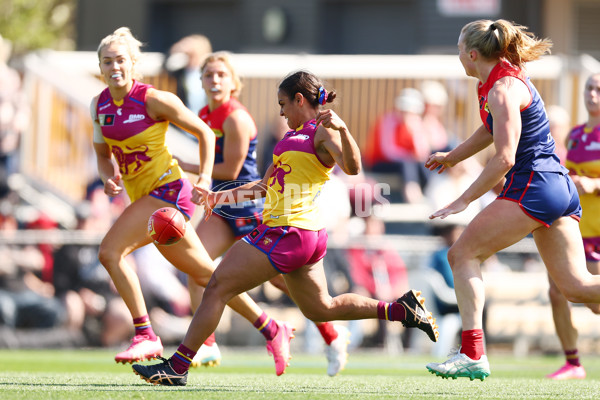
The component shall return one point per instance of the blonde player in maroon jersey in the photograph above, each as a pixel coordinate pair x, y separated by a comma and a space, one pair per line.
130, 123
291, 239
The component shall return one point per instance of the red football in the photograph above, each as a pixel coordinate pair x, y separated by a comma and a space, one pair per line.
166, 226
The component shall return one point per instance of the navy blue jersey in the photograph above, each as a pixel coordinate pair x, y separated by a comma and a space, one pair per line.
215, 119
535, 151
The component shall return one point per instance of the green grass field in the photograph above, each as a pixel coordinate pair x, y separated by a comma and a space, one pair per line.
249, 374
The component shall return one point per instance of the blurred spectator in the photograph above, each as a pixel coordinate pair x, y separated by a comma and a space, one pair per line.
439, 259
14, 113
102, 209
82, 283
183, 62
375, 268
25, 300
378, 271
30, 313
435, 99
165, 292
560, 126
44, 222
275, 131
396, 144
444, 188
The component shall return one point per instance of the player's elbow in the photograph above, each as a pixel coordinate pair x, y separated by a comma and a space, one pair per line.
354, 168
505, 162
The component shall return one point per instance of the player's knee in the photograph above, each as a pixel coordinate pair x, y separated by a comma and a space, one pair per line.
216, 289
211, 285
279, 283
459, 255
555, 295
456, 257
201, 279
108, 257
315, 314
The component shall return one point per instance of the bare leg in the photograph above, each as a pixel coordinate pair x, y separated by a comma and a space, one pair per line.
308, 288
216, 237
128, 233
561, 314
483, 237
561, 249
594, 268
243, 268
191, 257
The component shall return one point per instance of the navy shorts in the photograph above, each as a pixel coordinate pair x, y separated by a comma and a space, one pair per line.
544, 196
241, 218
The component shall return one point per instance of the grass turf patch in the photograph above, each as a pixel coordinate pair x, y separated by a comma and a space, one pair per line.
249, 374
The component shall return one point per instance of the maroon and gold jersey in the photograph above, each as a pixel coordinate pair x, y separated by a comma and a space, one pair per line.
296, 182
137, 142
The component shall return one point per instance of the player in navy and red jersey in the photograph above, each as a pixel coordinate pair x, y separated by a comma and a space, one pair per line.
130, 124
583, 162
538, 196
235, 165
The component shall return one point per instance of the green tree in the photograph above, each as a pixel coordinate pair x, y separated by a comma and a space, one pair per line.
37, 24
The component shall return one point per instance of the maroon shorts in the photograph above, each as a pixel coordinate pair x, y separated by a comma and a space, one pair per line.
287, 247
178, 193
592, 248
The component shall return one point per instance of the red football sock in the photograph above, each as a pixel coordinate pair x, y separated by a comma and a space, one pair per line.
327, 331
472, 344
210, 340
143, 326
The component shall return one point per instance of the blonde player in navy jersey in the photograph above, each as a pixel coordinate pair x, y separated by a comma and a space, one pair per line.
130, 123
291, 240
538, 196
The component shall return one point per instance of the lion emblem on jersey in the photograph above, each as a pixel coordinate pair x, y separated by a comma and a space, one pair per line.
135, 157
280, 170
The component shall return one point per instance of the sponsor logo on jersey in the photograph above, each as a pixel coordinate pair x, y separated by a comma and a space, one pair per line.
593, 146
134, 118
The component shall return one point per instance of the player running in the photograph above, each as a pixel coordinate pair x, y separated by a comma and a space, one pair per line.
538, 195
235, 165
291, 240
130, 123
